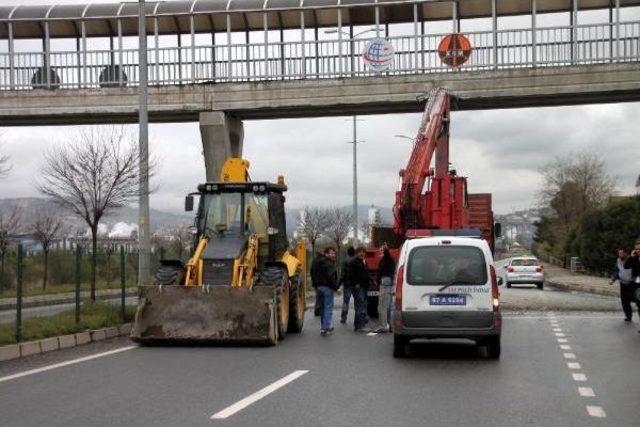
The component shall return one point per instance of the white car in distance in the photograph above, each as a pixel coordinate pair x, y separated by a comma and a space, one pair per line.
524, 270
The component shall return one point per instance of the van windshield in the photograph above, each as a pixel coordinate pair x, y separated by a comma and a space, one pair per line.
442, 265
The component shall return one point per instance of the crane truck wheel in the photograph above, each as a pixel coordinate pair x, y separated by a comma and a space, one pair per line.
297, 305
169, 274
277, 277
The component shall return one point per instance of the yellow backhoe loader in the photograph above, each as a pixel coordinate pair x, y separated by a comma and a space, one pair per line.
242, 283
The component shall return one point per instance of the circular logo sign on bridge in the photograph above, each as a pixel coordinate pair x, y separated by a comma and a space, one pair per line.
378, 55
455, 49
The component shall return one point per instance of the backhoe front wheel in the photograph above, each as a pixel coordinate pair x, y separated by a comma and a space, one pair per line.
277, 277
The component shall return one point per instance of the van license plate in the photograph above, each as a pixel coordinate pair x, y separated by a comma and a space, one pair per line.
447, 300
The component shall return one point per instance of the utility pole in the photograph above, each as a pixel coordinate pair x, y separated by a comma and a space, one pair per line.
355, 181
144, 241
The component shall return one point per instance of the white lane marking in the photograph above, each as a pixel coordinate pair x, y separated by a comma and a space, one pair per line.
596, 411
559, 334
371, 334
241, 404
67, 363
573, 365
569, 355
562, 340
586, 392
565, 347
557, 330
579, 377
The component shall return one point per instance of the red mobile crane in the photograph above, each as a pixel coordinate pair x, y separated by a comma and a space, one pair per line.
432, 201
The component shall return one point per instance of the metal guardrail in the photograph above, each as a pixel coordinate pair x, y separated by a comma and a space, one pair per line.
414, 54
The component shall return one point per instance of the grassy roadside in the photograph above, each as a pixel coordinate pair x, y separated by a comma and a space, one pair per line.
92, 316
36, 290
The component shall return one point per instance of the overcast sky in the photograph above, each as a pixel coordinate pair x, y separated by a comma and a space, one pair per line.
501, 151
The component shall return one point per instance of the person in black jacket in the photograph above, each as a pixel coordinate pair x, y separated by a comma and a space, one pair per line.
386, 269
633, 262
345, 282
360, 281
325, 280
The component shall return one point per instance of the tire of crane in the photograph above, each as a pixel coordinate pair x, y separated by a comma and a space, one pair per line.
278, 278
167, 275
297, 305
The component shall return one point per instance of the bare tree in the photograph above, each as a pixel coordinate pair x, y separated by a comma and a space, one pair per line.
93, 176
46, 227
314, 223
339, 225
10, 223
575, 184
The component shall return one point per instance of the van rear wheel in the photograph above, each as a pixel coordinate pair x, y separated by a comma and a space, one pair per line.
400, 346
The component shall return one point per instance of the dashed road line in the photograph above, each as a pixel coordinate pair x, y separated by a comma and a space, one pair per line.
260, 394
586, 392
372, 334
67, 363
579, 376
596, 411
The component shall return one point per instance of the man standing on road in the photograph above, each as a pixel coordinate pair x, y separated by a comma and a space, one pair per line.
386, 268
345, 282
633, 262
325, 280
317, 262
625, 277
360, 281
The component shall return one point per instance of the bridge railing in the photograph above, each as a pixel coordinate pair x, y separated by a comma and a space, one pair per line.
414, 54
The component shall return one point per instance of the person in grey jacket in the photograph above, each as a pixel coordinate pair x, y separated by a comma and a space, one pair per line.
627, 285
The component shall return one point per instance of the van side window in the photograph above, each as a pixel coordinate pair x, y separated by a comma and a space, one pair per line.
440, 265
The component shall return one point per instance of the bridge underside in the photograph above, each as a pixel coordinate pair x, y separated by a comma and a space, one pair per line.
513, 88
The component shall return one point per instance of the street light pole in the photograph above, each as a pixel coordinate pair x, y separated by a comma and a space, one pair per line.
355, 182
144, 241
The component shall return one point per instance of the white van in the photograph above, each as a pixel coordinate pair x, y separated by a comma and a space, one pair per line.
446, 287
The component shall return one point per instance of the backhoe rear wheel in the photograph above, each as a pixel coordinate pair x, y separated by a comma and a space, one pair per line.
297, 305
277, 277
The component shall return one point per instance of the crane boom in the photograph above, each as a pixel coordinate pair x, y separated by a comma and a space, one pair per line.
432, 138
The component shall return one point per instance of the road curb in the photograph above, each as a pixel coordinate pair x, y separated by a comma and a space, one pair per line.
29, 348
584, 288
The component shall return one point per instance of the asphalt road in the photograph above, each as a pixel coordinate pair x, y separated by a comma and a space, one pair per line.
352, 380
8, 316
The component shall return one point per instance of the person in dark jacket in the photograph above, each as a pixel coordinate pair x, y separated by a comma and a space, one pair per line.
325, 280
345, 282
360, 280
627, 288
633, 262
386, 269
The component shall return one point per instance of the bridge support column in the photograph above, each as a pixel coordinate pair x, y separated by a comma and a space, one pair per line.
222, 137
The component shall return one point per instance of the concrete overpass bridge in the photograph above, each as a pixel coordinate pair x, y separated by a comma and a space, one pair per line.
222, 61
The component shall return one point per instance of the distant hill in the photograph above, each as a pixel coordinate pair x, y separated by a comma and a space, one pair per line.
29, 206
159, 219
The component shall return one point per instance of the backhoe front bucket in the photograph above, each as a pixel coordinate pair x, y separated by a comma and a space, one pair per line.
206, 315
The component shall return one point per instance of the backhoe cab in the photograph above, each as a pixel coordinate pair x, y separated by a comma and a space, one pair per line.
241, 284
